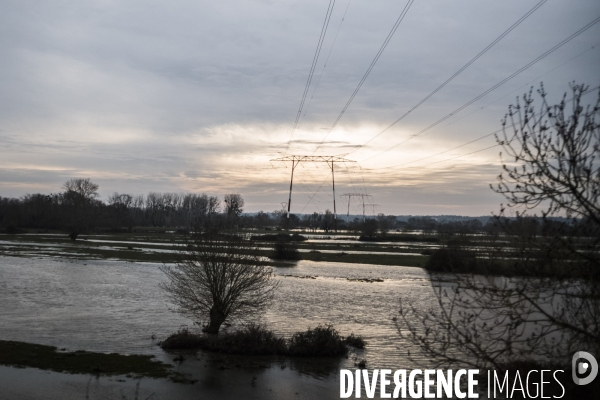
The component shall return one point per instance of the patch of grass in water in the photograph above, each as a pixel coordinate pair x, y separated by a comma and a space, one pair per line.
29, 355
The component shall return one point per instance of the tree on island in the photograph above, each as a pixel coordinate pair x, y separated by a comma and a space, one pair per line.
501, 323
221, 277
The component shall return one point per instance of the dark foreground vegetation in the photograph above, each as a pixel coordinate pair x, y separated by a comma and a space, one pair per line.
28, 355
538, 322
322, 341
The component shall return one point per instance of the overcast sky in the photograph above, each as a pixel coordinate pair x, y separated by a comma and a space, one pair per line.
199, 96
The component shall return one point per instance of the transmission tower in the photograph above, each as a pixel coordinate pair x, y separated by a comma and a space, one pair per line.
373, 205
350, 196
330, 160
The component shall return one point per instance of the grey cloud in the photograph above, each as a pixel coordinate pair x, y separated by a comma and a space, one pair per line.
147, 94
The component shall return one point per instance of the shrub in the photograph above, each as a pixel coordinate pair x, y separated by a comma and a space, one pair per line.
322, 341
285, 250
253, 339
355, 341
183, 339
452, 259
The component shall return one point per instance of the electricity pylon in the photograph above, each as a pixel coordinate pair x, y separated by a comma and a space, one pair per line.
330, 160
350, 196
372, 205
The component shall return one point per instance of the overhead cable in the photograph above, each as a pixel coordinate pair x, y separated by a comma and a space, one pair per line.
491, 89
482, 52
381, 49
325, 63
312, 67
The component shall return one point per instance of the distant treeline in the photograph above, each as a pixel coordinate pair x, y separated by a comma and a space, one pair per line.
67, 210
185, 210
77, 209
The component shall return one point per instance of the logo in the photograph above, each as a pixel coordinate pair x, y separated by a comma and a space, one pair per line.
585, 368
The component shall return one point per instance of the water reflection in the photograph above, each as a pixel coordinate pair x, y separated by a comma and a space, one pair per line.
116, 306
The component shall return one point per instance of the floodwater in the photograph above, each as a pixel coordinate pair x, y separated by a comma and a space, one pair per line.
116, 306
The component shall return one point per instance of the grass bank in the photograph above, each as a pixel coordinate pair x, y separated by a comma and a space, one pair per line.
29, 355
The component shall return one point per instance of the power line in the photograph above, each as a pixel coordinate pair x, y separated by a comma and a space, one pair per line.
497, 85
500, 130
312, 68
320, 186
381, 49
589, 90
527, 84
350, 176
446, 151
482, 52
326, 62
462, 155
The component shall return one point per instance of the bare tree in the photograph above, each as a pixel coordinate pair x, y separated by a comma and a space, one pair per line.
221, 277
121, 206
327, 220
83, 187
79, 201
233, 206
557, 156
498, 322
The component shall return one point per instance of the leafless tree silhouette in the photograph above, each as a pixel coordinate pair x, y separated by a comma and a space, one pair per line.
557, 156
221, 277
234, 204
79, 199
498, 322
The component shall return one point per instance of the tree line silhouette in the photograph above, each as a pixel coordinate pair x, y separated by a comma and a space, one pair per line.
77, 209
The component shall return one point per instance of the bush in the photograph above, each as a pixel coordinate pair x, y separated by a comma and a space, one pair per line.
455, 259
322, 341
284, 250
253, 339
452, 259
183, 339
355, 341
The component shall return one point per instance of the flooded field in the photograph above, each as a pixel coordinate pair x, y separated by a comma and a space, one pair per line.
116, 306
102, 294
165, 247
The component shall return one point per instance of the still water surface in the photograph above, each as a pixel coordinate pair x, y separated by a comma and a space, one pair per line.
116, 306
